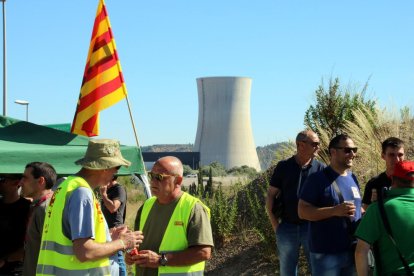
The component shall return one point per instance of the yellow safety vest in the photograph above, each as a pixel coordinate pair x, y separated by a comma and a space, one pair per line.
56, 255
175, 236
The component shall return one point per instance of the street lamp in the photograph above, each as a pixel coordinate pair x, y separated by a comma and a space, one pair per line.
4, 61
26, 103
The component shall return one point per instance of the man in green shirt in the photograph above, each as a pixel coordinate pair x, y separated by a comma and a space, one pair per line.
176, 226
399, 207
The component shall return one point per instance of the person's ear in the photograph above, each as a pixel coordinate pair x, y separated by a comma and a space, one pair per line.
41, 181
178, 180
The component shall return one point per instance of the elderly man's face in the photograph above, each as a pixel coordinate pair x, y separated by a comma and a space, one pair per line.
311, 146
162, 182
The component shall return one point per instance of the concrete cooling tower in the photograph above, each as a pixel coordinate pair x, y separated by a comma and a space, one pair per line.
224, 132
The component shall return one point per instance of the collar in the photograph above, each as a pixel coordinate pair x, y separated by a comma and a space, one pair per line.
400, 191
39, 201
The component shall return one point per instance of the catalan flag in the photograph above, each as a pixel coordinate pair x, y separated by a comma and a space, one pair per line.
103, 84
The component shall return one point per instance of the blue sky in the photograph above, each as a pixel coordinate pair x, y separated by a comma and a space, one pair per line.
286, 47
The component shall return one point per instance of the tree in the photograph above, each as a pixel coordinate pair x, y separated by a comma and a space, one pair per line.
334, 106
208, 191
200, 185
217, 169
187, 170
244, 170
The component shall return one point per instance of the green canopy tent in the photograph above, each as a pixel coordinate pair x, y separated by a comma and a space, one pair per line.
23, 142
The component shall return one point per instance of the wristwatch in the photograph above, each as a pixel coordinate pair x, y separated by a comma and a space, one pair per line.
163, 259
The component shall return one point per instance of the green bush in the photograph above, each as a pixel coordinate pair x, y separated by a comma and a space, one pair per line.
224, 213
252, 212
187, 170
216, 168
250, 172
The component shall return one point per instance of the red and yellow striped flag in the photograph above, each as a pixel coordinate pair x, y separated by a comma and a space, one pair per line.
103, 84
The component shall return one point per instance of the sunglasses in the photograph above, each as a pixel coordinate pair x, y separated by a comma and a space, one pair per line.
159, 176
348, 150
313, 144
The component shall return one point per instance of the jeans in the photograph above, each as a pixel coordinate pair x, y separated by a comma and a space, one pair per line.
289, 238
121, 263
340, 264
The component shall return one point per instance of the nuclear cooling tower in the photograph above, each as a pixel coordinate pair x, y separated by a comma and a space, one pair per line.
224, 132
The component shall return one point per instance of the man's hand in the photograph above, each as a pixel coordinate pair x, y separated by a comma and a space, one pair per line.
131, 239
103, 189
275, 223
117, 231
129, 260
147, 258
345, 209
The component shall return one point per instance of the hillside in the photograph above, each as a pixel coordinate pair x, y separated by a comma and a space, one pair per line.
266, 153
168, 148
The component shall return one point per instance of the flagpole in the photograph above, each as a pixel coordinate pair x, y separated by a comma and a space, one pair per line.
132, 121
147, 189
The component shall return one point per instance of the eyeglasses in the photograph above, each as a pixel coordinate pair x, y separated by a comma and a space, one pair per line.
159, 176
348, 150
312, 143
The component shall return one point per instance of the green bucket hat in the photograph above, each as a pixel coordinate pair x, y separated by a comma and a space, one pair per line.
102, 154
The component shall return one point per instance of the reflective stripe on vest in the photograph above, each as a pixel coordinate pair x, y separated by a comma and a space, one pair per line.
53, 270
59, 248
175, 236
56, 256
195, 273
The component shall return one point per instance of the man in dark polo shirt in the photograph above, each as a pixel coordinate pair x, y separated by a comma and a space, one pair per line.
392, 153
113, 204
285, 185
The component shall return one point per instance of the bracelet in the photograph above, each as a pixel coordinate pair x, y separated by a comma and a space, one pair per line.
123, 244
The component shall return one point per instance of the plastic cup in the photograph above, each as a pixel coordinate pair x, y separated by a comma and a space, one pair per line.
351, 201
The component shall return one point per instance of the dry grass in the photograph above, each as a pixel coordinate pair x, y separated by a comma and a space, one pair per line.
368, 130
132, 208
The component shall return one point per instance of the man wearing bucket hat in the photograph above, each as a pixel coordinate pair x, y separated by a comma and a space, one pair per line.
398, 207
178, 236
76, 238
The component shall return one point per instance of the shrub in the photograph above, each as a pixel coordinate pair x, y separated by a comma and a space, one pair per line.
216, 168
250, 172
187, 170
223, 215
